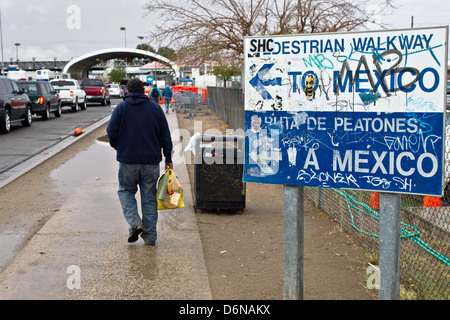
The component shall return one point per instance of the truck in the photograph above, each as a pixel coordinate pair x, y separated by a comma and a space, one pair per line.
96, 90
70, 93
20, 75
45, 75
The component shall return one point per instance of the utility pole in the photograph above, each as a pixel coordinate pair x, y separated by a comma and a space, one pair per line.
1, 34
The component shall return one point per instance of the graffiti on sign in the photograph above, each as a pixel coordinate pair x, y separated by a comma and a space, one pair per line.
347, 110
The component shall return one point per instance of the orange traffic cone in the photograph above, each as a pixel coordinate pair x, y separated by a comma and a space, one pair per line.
374, 202
78, 131
432, 201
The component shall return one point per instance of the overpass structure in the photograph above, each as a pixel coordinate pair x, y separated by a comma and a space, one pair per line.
79, 67
56, 65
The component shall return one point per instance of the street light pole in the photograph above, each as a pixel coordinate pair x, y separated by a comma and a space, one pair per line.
141, 44
17, 51
1, 34
125, 30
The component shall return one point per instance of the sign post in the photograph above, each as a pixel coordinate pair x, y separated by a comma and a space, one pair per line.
354, 110
389, 246
293, 242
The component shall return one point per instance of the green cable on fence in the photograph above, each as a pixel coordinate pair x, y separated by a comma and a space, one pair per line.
415, 237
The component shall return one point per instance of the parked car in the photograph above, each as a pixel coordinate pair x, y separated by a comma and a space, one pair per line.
115, 91
96, 91
44, 98
70, 93
15, 106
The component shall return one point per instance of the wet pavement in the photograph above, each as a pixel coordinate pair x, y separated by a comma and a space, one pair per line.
82, 251
21, 143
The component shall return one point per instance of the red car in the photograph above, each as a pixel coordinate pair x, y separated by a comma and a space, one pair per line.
96, 91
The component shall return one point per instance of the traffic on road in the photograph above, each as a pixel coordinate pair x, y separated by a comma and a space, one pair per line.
20, 143
20, 99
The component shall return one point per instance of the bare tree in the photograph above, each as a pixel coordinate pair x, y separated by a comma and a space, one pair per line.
214, 30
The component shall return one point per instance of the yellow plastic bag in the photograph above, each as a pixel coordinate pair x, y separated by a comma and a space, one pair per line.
169, 193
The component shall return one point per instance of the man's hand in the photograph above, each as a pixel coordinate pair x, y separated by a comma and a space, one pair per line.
169, 166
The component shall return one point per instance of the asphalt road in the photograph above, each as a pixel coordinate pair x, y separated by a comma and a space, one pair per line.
23, 143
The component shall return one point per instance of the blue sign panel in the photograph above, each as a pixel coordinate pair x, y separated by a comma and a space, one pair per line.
355, 110
388, 152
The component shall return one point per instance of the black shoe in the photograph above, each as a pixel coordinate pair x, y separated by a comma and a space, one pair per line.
134, 234
148, 241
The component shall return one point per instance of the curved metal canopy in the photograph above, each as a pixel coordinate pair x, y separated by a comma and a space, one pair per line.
79, 67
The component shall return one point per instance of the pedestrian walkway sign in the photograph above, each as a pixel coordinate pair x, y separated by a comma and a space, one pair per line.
357, 110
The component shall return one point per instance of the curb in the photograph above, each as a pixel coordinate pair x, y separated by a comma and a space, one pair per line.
31, 163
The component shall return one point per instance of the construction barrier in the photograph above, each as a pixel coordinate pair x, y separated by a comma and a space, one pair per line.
428, 201
205, 95
178, 89
374, 202
431, 201
184, 88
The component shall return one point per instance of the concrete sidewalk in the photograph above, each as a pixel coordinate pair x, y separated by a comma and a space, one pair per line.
86, 240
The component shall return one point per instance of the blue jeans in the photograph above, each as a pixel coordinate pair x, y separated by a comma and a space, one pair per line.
146, 177
167, 103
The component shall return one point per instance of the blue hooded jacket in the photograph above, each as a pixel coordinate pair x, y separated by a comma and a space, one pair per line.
138, 130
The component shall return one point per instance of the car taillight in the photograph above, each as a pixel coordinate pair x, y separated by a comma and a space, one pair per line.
101, 90
71, 93
41, 100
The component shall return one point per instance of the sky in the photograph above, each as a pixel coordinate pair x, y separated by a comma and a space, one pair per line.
67, 29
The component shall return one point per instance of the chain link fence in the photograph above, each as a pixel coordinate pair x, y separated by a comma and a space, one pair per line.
425, 236
228, 105
425, 239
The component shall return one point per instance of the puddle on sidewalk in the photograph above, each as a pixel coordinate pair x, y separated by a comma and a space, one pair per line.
9, 241
97, 160
13, 234
103, 140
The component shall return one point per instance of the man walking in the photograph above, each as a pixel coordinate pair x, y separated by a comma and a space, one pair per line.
155, 94
167, 93
138, 130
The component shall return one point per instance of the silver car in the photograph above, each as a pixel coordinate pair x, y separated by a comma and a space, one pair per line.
115, 91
